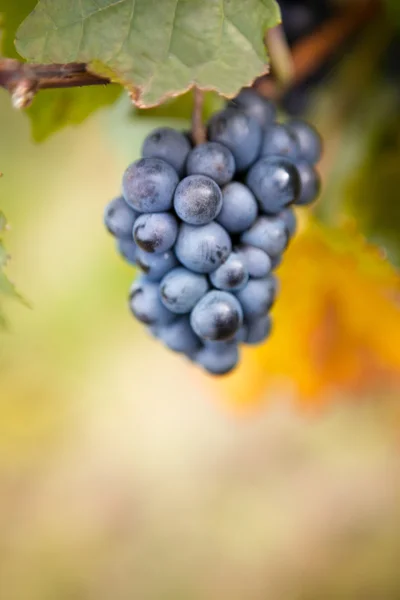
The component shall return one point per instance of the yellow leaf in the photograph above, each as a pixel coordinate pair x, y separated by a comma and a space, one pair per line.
336, 323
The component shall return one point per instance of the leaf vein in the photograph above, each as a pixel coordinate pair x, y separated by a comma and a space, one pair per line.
172, 27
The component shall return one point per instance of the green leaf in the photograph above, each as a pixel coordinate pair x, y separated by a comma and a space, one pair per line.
12, 14
394, 10
374, 192
54, 109
156, 48
364, 140
7, 288
182, 107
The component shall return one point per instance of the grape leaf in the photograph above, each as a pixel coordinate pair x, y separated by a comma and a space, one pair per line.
53, 109
156, 49
181, 107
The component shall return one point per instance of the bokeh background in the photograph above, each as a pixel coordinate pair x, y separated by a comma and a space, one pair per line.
125, 472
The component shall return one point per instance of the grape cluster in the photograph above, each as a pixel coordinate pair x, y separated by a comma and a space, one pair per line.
208, 225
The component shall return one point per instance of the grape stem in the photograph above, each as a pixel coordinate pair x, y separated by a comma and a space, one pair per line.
198, 129
23, 80
281, 59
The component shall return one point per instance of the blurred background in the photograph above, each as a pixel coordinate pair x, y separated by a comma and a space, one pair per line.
125, 472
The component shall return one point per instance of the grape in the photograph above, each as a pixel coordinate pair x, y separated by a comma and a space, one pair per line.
288, 216
155, 232
276, 262
119, 218
232, 275
257, 297
218, 362
168, 144
241, 335
127, 249
257, 262
148, 185
197, 200
275, 182
279, 141
268, 234
308, 138
145, 303
239, 208
310, 183
203, 249
254, 105
257, 331
154, 330
181, 289
238, 132
217, 316
179, 336
212, 159
219, 347
155, 266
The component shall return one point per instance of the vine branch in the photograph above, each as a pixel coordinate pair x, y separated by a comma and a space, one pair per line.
24, 80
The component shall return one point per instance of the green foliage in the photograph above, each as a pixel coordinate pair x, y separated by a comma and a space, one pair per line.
157, 49
7, 288
357, 114
54, 109
11, 14
374, 194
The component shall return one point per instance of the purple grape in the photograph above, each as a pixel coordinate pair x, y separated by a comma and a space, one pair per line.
169, 145
275, 182
119, 218
148, 185
155, 232
146, 305
239, 208
213, 160
181, 289
232, 275
254, 105
238, 132
197, 200
217, 316
202, 249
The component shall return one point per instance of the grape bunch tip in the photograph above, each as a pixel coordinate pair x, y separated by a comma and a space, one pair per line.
208, 225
